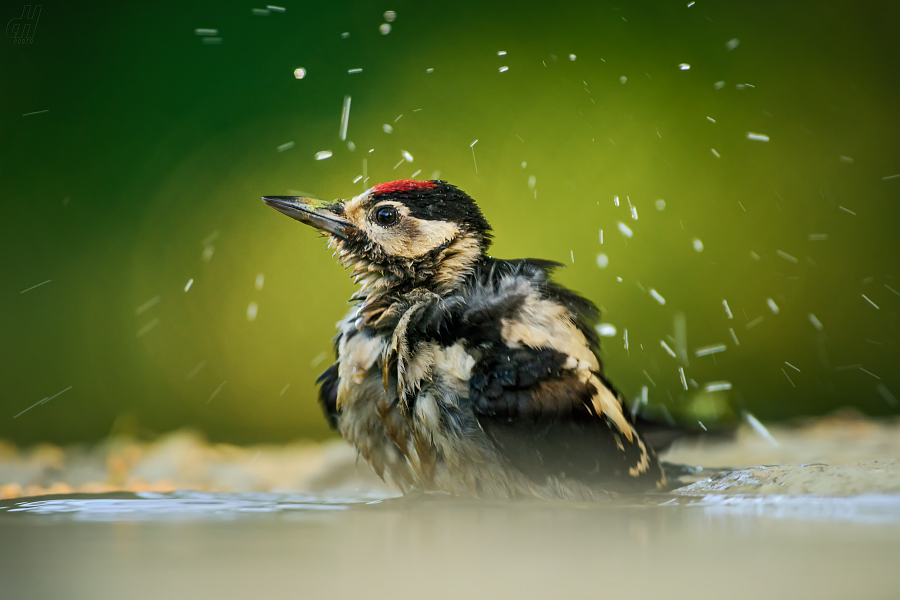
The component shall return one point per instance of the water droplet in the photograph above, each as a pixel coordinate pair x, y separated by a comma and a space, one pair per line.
759, 137
606, 329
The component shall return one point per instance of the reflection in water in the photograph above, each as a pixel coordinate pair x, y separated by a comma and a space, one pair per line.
149, 506
186, 504
193, 545
869, 509
191, 505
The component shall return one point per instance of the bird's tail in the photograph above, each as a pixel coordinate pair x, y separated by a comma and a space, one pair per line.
661, 435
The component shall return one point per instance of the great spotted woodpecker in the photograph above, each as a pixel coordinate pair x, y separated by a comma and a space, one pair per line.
460, 372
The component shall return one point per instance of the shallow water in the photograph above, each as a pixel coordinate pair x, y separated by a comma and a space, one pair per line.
192, 544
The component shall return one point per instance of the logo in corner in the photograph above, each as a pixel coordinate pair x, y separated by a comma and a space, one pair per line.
21, 29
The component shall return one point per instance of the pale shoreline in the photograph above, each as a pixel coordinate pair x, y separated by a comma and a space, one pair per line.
832, 456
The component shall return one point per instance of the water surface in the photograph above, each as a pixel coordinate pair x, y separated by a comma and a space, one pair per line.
191, 545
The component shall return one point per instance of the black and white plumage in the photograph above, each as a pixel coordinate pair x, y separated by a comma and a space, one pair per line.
459, 372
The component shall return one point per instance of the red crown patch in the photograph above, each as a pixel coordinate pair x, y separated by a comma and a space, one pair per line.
402, 185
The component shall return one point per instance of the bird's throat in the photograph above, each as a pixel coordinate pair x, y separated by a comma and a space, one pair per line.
385, 283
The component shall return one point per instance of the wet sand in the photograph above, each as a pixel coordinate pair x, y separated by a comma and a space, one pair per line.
844, 455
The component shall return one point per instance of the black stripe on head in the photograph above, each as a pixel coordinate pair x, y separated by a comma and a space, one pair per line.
435, 201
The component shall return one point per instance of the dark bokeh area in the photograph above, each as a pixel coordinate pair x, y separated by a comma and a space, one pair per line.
146, 172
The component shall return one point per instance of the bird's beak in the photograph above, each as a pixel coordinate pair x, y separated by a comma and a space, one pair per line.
321, 214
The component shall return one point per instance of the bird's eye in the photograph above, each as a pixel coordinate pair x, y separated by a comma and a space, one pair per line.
386, 215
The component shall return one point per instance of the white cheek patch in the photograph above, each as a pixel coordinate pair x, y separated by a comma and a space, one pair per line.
410, 237
423, 237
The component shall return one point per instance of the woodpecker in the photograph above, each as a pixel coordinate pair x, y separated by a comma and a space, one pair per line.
463, 373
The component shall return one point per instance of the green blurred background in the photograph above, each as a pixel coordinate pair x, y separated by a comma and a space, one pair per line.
147, 172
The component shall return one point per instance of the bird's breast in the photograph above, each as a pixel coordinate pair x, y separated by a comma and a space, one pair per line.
359, 355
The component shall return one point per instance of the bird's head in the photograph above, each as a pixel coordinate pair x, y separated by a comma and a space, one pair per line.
399, 234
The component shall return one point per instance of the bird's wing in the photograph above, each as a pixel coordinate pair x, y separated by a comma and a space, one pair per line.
548, 419
328, 382
538, 389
